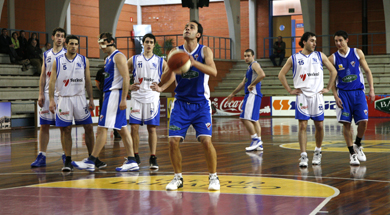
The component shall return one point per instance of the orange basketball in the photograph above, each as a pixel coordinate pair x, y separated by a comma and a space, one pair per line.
179, 61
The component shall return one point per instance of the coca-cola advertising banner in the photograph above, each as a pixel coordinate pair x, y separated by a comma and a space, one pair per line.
221, 107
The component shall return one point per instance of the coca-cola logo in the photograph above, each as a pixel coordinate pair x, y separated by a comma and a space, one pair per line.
233, 106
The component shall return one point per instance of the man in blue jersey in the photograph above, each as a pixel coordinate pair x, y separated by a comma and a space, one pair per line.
113, 113
192, 105
349, 95
252, 101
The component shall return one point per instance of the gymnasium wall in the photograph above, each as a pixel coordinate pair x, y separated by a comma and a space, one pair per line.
344, 15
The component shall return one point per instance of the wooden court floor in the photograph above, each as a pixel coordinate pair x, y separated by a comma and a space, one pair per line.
268, 182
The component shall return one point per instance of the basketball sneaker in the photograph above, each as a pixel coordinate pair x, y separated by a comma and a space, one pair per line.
304, 160
153, 162
256, 144
85, 164
137, 159
40, 161
214, 183
316, 158
67, 166
175, 184
354, 160
359, 151
128, 165
100, 164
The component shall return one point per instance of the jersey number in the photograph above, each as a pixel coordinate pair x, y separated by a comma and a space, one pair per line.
64, 67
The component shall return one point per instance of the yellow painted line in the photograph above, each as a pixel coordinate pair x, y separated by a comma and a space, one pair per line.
341, 146
199, 183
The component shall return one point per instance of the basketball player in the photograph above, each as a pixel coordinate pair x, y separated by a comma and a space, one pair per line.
113, 113
47, 118
252, 101
307, 68
70, 75
147, 69
349, 96
192, 105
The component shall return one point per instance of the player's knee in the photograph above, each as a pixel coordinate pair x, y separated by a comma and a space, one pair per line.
134, 129
66, 130
206, 143
151, 129
88, 127
174, 143
45, 128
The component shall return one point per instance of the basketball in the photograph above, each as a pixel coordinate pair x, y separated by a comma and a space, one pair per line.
179, 61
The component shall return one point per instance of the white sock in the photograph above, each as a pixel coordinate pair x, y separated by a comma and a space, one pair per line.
212, 174
43, 153
254, 136
317, 149
178, 175
304, 154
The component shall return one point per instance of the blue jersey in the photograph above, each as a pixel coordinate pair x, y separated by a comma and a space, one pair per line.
193, 86
113, 80
250, 76
349, 76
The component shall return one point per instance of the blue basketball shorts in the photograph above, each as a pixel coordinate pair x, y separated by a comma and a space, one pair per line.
251, 107
111, 116
354, 104
184, 114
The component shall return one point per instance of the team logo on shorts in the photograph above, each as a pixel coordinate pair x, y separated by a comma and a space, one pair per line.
345, 114
101, 117
366, 112
174, 128
208, 125
302, 107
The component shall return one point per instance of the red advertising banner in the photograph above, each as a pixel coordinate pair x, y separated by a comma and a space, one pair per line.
379, 108
221, 107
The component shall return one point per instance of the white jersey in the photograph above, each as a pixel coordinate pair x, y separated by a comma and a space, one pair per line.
70, 75
48, 58
146, 72
308, 73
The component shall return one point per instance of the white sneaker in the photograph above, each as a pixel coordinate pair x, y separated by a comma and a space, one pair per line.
359, 151
316, 158
354, 160
175, 184
304, 160
128, 165
85, 164
214, 183
255, 145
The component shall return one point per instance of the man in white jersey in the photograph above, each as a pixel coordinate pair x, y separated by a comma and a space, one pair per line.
251, 108
47, 118
350, 93
192, 105
147, 69
113, 112
307, 68
70, 76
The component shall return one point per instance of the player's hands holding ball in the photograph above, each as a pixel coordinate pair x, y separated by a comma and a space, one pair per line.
179, 61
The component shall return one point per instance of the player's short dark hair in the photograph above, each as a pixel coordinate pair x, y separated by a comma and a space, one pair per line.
342, 34
251, 51
305, 37
71, 37
108, 36
61, 30
4, 29
200, 29
149, 35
